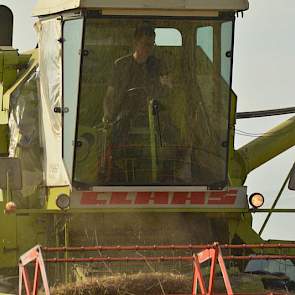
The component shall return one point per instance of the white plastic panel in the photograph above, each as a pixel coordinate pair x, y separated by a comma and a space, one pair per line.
73, 30
49, 33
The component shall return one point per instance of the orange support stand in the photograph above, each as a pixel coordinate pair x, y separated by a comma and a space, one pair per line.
215, 255
32, 255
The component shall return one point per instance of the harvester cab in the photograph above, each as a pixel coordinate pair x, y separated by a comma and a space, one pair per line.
136, 96
114, 119
149, 122
123, 120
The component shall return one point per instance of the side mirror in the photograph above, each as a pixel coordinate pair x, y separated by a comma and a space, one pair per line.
10, 174
6, 26
291, 184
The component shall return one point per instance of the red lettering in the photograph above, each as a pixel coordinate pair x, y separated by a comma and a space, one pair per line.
191, 198
100, 201
120, 198
89, 198
158, 198
222, 198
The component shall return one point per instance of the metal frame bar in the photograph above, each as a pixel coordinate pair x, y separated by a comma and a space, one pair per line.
215, 255
275, 202
198, 277
166, 247
265, 113
33, 255
161, 258
209, 252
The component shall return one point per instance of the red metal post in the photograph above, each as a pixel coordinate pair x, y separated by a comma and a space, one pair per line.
224, 274
212, 269
32, 255
214, 254
24, 278
43, 273
198, 277
36, 278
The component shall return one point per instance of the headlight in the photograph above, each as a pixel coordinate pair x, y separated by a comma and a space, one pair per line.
256, 200
10, 207
63, 202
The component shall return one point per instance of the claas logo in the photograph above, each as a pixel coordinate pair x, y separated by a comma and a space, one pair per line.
159, 198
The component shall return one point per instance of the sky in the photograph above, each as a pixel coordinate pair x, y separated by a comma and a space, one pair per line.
263, 78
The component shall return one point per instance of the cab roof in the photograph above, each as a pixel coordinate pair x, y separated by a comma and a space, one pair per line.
46, 7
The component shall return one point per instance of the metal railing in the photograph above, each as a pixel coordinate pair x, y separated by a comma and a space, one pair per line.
209, 252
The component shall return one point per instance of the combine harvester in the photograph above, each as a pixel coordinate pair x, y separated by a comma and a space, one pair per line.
117, 134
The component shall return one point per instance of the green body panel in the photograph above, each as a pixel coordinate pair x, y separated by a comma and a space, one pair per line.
20, 232
8, 59
233, 174
3, 140
8, 75
8, 251
17, 231
266, 147
11, 65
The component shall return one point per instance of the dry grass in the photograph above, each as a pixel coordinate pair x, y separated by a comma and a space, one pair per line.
123, 284
151, 283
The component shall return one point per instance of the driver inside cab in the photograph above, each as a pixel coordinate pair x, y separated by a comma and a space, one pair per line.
134, 112
135, 77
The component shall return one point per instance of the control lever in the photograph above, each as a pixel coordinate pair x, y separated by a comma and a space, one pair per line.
156, 112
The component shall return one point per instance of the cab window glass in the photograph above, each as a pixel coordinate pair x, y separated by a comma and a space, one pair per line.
153, 105
205, 40
168, 37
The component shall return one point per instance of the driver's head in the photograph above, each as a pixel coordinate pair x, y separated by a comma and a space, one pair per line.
144, 39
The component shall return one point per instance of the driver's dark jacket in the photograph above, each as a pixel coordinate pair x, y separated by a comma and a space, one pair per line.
133, 84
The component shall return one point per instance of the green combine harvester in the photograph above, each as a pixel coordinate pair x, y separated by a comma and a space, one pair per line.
119, 129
